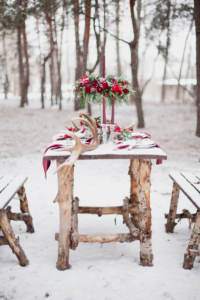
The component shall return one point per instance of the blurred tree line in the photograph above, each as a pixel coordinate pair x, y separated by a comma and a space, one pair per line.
94, 21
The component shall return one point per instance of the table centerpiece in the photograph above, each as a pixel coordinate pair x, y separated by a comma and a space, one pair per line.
110, 89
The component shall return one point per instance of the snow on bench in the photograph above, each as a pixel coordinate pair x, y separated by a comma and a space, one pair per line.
189, 184
9, 186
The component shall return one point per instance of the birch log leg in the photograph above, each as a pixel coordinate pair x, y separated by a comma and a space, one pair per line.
169, 226
11, 240
64, 199
74, 231
25, 209
134, 191
190, 255
140, 171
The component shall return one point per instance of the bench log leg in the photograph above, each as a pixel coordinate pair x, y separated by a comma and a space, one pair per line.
140, 171
64, 199
169, 226
10, 237
190, 255
25, 209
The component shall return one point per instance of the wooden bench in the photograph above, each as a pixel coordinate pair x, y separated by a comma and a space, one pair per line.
9, 187
189, 184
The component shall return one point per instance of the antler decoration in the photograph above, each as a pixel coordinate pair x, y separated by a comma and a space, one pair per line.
130, 126
79, 147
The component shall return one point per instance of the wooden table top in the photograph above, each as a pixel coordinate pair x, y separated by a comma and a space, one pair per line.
110, 151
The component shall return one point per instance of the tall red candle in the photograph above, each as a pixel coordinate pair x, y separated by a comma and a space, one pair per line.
113, 111
104, 111
104, 101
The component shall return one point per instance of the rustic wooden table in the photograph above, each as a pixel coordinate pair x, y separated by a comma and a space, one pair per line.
136, 210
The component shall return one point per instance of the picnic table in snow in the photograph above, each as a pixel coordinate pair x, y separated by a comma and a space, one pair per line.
135, 210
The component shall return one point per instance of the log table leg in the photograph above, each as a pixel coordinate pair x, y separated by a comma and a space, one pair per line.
140, 171
64, 199
192, 249
11, 240
169, 226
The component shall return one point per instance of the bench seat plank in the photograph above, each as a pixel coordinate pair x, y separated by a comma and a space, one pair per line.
192, 194
8, 193
195, 181
4, 182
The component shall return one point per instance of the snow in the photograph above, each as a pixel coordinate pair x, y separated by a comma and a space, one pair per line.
183, 81
111, 271
113, 150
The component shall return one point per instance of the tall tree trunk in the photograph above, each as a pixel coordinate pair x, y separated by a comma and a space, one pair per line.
58, 57
21, 67
42, 84
26, 64
81, 52
135, 84
41, 66
182, 60
86, 33
166, 55
5, 66
43, 78
119, 70
86, 42
64, 4
79, 63
197, 25
103, 47
134, 66
97, 36
52, 61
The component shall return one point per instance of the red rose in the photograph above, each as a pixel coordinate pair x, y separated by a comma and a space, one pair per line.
115, 88
105, 85
87, 89
114, 81
126, 91
81, 84
76, 90
99, 89
95, 83
85, 80
120, 88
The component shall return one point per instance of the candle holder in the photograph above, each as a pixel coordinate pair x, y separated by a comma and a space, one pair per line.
108, 133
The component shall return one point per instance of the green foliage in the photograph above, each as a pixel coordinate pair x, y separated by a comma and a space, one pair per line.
164, 15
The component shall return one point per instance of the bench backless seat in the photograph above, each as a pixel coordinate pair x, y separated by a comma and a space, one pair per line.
189, 184
10, 186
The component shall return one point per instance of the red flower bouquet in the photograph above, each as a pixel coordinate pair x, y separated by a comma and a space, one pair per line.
92, 88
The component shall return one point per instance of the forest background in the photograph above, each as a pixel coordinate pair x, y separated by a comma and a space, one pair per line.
47, 45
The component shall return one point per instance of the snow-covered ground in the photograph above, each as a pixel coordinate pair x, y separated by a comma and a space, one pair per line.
111, 271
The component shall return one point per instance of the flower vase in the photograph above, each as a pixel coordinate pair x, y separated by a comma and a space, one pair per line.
108, 133
104, 133
111, 133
